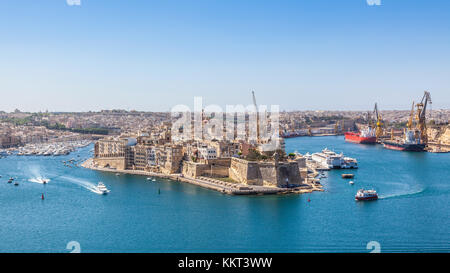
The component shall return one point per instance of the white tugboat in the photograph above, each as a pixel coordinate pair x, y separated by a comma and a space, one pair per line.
102, 188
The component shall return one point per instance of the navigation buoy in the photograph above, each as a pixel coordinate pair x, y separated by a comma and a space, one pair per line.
42, 197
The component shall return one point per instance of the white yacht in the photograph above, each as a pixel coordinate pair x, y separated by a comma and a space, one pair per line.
102, 188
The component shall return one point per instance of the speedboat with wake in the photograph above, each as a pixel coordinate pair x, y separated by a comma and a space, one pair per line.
102, 188
42, 180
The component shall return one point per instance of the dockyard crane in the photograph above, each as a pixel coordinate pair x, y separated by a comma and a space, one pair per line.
258, 138
421, 116
379, 131
336, 128
411, 118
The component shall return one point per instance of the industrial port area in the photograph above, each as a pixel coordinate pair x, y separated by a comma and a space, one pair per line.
419, 129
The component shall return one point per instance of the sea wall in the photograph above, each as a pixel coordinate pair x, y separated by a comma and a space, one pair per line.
111, 162
211, 168
266, 173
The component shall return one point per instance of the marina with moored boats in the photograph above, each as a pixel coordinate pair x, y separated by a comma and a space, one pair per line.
51, 149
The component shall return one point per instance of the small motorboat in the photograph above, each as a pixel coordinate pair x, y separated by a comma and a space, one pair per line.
351, 182
153, 179
347, 175
117, 174
149, 178
10, 181
16, 183
366, 195
102, 188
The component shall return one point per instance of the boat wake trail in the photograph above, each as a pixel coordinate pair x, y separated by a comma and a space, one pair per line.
83, 183
404, 190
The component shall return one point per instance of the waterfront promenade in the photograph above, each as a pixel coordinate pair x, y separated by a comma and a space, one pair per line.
211, 183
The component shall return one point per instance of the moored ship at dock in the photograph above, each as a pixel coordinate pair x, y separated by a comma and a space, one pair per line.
332, 160
366, 136
409, 143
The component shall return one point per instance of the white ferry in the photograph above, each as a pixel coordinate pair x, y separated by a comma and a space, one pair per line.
332, 160
366, 195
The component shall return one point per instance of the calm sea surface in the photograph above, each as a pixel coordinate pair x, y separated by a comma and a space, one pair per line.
411, 216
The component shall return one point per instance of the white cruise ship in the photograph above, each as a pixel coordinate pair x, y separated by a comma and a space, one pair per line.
332, 160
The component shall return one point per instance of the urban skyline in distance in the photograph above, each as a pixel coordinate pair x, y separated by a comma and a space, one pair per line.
301, 55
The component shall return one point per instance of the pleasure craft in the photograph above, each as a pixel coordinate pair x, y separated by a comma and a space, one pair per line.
102, 188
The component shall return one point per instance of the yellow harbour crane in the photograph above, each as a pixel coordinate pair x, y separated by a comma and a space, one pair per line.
410, 124
336, 128
379, 131
421, 116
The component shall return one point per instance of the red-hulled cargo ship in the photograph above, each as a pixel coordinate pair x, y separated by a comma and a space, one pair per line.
366, 136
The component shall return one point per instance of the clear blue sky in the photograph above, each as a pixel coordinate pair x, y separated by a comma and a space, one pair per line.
151, 55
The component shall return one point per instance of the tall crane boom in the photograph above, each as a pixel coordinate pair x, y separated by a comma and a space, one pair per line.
257, 117
411, 116
424, 102
375, 110
421, 116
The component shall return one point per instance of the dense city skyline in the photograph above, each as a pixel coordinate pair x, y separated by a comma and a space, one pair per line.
151, 56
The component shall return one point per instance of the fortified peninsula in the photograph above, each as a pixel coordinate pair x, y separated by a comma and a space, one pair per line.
239, 166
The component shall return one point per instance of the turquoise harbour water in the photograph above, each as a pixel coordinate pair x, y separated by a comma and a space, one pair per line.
411, 216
